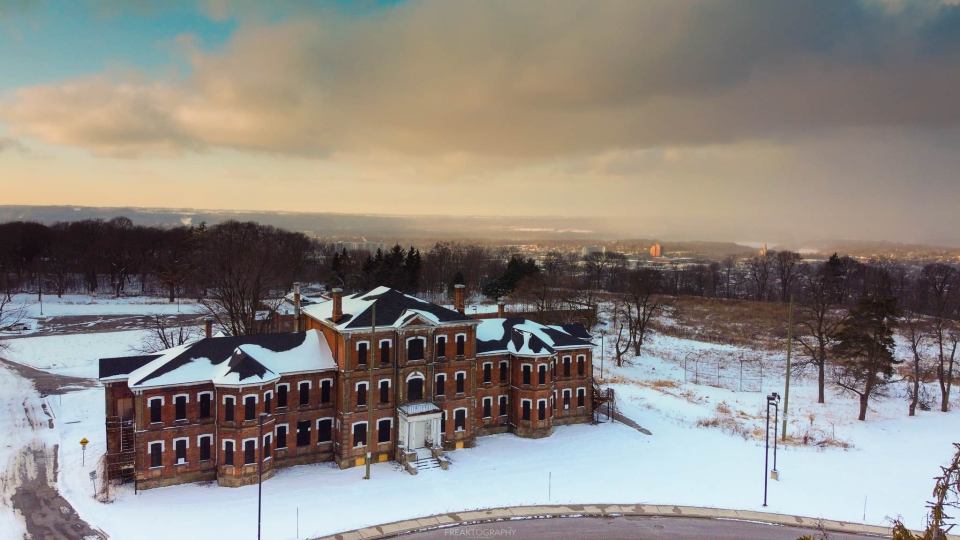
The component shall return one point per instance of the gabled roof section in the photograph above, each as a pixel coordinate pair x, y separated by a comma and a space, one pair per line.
117, 369
231, 361
394, 309
523, 337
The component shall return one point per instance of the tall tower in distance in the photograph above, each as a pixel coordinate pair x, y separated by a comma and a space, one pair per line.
763, 250
656, 250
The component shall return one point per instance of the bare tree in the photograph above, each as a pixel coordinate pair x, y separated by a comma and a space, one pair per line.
623, 325
946, 494
758, 271
249, 268
11, 314
916, 334
643, 284
940, 287
165, 336
786, 265
818, 320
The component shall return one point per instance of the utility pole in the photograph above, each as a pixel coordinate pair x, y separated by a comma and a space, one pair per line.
786, 390
370, 361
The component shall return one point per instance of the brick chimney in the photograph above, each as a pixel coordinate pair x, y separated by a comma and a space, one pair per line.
208, 328
500, 310
337, 304
296, 307
458, 297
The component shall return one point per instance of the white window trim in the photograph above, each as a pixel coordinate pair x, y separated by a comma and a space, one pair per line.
207, 392
581, 391
267, 436
268, 393
362, 342
332, 429
436, 381
329, 380
437, 339
150, 453
411, 338
506, 401
234, 398
353, 431
204, 436
243, 451
460, 334
154, 398
357, 386
388, 341
223, 444
256, 398
546, 409
268, 440
387, 419
185, 395
243, 443
186, 441
284, 425
309, 384
415, 375
381, 381
484, 367
466, 414
567, 392
489, 400
285, 384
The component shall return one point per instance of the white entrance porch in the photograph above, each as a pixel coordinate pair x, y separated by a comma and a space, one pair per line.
419, 426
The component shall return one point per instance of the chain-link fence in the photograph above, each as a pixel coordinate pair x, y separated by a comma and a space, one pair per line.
742, 371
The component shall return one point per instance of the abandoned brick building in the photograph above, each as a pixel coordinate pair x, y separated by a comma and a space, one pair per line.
412, 378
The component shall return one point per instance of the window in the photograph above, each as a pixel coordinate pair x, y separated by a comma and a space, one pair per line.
566, 399
155, 410
249, 451
282, 395
204, 399
566, 366
415, 349
383, 430
581, 364
304, 391
229, 403
384, 391
443, 422
361, 394
441, 380
156, 454
303, 433
180, 449
503, 371
542, 374
553, 367
461, 380
441, 346
268, 402
461, 344
527, 368
503, 406
249, 407
180, 407
460, 420
384, 352
526, 409
204, 443
415, 388
228, 452
581, 397
360, 434
325, 386
553, 400
324, 430
487, 372
362, 353
266, 446
282, 436
487, 406
541, 409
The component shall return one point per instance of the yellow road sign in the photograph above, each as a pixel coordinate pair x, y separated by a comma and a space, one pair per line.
84, 441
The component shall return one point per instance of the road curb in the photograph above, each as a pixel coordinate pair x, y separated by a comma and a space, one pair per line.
390, 530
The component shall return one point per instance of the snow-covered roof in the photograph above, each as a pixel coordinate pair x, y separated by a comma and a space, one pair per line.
394, 309
227, 361
523, 337
417, 409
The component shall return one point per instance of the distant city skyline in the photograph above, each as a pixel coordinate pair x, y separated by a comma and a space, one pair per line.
728, 120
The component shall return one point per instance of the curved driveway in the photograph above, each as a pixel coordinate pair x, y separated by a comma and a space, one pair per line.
626, 528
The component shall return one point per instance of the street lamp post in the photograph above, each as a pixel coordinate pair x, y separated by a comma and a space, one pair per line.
772, 400
260, 420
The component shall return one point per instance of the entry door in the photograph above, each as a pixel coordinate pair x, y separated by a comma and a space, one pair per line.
419, 434
125, 408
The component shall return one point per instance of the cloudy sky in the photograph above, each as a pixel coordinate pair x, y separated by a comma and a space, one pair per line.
721, 119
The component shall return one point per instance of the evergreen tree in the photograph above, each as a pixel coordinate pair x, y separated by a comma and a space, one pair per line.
865, 349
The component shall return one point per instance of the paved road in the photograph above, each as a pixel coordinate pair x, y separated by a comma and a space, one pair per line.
627, 528
75, 324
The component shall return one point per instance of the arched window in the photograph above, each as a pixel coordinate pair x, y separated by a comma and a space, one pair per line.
415, 387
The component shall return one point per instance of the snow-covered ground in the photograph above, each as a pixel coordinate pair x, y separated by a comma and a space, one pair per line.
705, 449
105, 304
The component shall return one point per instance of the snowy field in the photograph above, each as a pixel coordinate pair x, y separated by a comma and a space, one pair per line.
106, 304
706, 449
